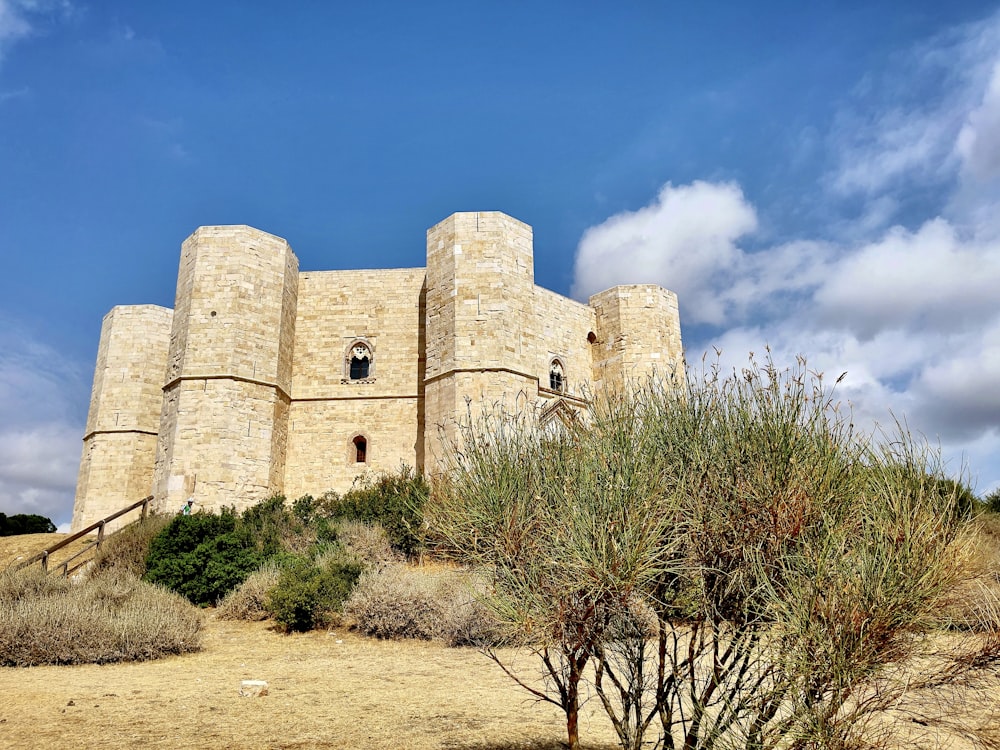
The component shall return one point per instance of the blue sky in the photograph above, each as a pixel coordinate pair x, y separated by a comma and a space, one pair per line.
820, 178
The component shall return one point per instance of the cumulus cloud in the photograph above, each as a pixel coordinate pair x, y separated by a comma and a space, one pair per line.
40, 426
910, 313
687, 234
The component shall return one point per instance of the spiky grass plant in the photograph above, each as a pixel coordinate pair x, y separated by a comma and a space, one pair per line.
789, 564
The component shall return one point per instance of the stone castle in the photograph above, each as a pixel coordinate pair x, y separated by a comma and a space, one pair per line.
264, 379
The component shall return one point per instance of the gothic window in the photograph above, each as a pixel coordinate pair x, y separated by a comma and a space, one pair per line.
359, 363
360, 449
557, 377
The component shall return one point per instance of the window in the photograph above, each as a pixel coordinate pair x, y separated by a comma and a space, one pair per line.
359, 362
360, 449
557, 377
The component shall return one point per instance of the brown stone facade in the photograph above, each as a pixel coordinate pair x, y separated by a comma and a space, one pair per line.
265, 379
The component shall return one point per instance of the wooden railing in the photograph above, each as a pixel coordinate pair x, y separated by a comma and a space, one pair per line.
43, 556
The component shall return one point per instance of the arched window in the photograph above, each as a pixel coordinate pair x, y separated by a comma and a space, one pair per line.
359, 361
557, 376
360, 449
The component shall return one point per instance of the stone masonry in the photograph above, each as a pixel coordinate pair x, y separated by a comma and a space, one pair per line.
264, 379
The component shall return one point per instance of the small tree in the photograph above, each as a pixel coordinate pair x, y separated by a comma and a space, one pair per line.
782, 565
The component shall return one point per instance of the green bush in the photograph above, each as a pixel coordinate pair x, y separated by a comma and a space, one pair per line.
25, 523
394, 501
310, 592
992, 501
203, 556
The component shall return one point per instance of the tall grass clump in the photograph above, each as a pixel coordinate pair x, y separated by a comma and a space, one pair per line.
125, 551
738, 567
46, 619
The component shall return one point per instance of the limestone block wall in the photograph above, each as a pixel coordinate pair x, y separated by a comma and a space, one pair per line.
244, 389
479, 308
223, 425
560, 330
638, 335
384, 310
116, 467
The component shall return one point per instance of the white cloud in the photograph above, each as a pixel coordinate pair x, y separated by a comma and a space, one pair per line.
978, 142
682, 240
40, 426
911, 314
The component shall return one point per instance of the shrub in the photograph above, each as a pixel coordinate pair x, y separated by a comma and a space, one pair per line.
248, 601
992, 501
394, 501
310, 593
203, 556
396, 602
367, 542
125, 551
47, 619
25, 523
788, 563
402, 602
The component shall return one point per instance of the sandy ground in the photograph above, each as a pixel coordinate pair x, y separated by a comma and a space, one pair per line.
326, 690
329, 690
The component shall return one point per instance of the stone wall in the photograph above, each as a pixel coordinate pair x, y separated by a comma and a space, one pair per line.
223, 425
246, 390
336, 309
120, 440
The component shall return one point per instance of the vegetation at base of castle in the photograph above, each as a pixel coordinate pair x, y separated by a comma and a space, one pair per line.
991, 502
310, 592
397, 601
206, 557
393, 501
48, 619
125, 551
723, 563
25, 523
203, 556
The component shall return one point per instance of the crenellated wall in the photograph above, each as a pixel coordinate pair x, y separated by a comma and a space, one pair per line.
245, 389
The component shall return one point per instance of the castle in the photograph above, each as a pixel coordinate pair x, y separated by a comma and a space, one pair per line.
264, 379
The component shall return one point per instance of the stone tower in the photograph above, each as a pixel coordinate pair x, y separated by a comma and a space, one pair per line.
480, 294
119, 444
638, 332
223, 425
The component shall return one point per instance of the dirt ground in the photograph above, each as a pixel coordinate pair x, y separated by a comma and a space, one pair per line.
326, 690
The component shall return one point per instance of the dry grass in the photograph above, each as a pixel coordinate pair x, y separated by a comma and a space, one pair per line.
326, 690
48, 619
248, 601
17, 549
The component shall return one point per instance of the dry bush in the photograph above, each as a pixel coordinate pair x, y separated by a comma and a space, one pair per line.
124, 552
975, 602
248, 601
50, 620
404, 602
369, 543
